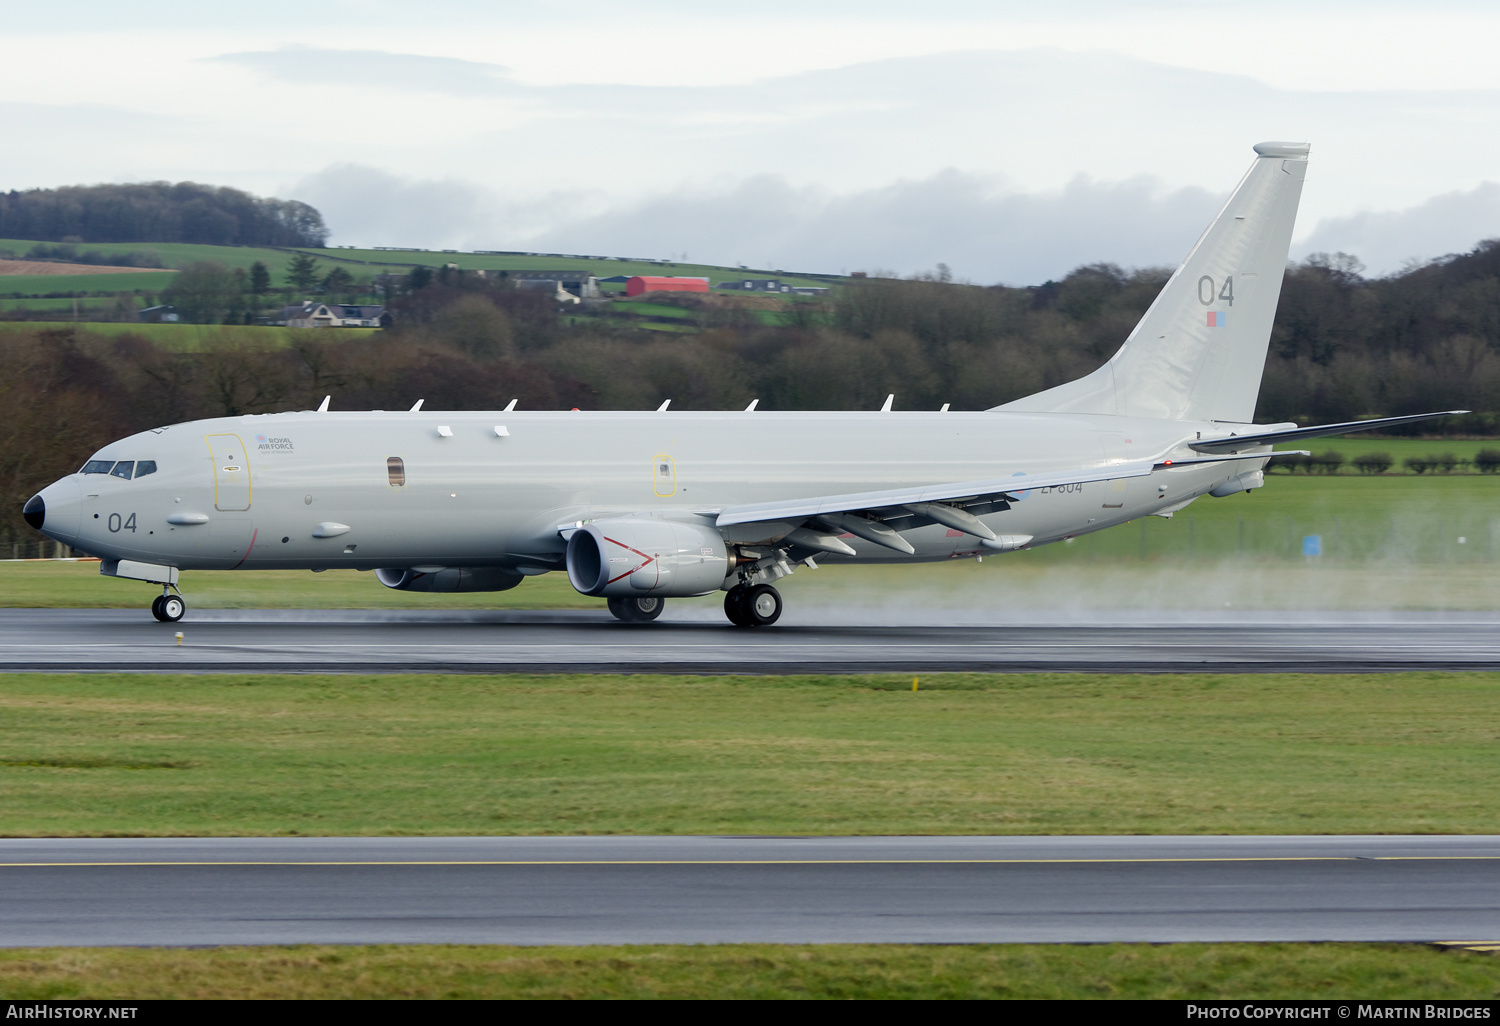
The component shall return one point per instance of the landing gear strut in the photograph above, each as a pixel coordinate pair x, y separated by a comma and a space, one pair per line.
752, 606
168, 608
636, 610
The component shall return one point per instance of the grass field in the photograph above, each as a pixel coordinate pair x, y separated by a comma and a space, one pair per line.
828, 971
29, 284
599, 268
178, 254
364, 261
84, 305
349, 755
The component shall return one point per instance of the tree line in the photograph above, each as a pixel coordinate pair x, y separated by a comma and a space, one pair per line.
158, 212
1343, 347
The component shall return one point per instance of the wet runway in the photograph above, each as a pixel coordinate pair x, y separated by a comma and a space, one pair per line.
610, 890
368, 641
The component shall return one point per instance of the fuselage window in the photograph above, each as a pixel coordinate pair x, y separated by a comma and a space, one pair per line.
123, 469
98, 466
145, 467
395, 470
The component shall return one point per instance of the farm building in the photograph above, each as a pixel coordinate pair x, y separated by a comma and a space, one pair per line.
158, 315
641, 284
331, 315
569, 285
771, 285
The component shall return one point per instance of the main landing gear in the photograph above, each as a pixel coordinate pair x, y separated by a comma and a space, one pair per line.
168, 608
752, 606
636, 610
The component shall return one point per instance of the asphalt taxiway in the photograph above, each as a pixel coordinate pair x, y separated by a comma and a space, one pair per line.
369, 641
609, 890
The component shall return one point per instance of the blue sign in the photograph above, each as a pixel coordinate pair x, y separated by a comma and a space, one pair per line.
1312, 545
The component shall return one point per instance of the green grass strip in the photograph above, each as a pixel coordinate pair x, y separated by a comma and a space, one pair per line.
838, 971
405, 754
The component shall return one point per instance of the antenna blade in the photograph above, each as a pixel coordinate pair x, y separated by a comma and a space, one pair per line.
416, 406
888, 400
323, 406
510, 406
753, 404
663, 407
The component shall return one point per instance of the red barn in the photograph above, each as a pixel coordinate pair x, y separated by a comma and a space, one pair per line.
641, 284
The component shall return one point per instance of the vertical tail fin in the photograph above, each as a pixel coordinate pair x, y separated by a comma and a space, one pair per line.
1199, 351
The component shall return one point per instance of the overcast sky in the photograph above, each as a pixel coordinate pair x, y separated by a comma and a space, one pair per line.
1011, 141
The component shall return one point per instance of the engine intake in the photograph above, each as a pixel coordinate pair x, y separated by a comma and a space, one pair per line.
644, 556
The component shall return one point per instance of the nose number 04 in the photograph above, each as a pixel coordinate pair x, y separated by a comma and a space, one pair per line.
116, 525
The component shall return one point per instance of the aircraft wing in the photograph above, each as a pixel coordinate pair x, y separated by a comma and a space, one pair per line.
999, 489
1235, 442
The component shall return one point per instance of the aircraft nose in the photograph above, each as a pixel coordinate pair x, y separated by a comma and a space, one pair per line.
56, 509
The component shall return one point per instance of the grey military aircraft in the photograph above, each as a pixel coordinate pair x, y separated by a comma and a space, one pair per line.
642, 507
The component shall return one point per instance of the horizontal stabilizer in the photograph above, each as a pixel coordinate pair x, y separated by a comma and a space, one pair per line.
1237, 442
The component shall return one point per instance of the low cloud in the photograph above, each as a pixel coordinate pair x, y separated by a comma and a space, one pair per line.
373, 69
1386, 241
371, 207
983, 230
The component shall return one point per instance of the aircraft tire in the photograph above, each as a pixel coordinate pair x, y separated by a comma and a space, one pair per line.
636, 610
171, 608
156, 608
734, 606
762, 606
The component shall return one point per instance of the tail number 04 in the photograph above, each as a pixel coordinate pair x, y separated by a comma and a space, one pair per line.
1206, 290
116, 525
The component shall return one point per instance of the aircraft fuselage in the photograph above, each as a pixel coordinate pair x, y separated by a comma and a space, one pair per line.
400, 490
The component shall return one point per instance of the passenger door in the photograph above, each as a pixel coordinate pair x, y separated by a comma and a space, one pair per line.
231, 472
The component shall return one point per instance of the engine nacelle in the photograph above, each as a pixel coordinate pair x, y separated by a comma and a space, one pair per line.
644, 556
478, 578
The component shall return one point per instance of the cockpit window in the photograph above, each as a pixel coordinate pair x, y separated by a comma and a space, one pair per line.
145, 467
98, 466
123, 469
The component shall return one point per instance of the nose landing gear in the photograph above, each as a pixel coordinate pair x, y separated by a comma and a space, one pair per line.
168, 608
752, 606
